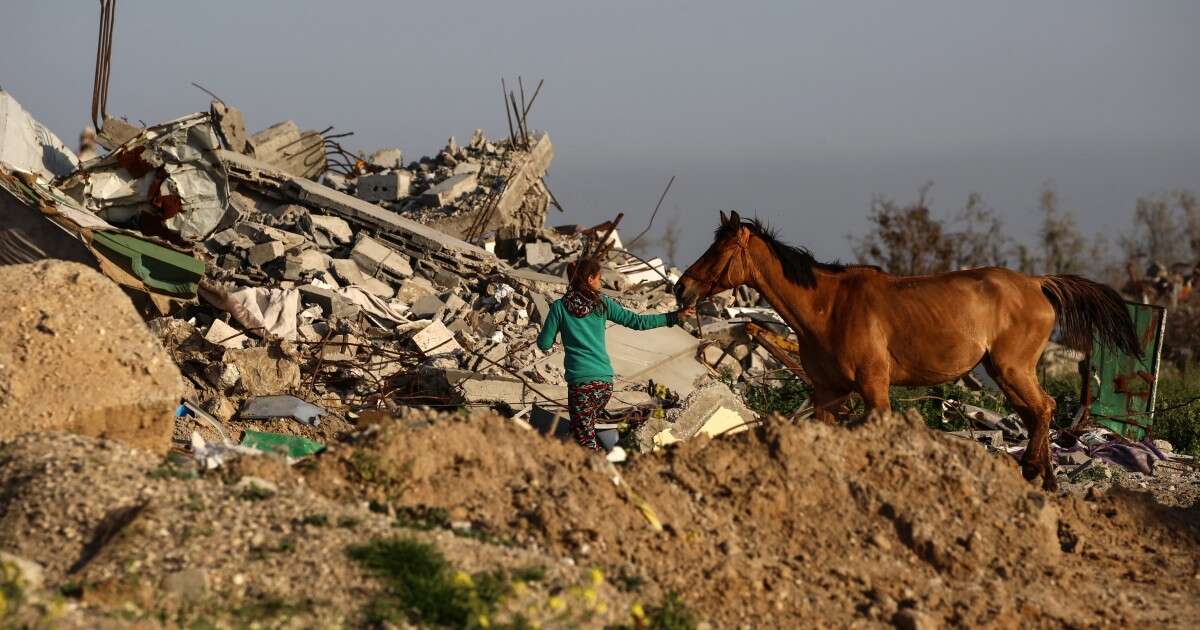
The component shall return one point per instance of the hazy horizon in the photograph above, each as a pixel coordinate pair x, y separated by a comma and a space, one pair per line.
798, 113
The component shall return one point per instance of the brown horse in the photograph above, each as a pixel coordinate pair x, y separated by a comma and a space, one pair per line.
862, 330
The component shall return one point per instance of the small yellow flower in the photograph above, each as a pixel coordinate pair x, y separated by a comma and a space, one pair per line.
519, 588
597, 577
637, 611
464, 580
589, 596
483, 621
601, 608
556, 603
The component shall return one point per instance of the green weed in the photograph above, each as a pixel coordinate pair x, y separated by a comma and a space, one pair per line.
421, 587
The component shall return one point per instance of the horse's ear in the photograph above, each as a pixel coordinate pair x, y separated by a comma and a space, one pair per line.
734, 218
724, 217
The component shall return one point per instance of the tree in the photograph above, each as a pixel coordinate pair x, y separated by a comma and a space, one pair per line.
910, 240
1061, 243
1166, 228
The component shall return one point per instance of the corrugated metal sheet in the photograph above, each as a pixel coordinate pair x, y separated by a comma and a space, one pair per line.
1121, 387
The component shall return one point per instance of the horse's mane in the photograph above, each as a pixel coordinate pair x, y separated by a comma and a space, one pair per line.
798, 263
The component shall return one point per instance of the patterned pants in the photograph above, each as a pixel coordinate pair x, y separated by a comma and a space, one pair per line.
585, 402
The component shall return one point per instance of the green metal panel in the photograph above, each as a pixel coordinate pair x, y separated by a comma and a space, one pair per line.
161, 269
1122, 387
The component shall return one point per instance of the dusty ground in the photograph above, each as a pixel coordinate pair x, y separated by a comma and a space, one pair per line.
210, 551
884, 524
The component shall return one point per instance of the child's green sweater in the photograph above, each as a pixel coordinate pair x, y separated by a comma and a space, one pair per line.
583, 337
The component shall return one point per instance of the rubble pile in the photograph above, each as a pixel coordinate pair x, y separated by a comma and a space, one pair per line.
273, 264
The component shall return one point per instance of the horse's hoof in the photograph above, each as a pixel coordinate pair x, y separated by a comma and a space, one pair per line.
1049, 483
1030, 472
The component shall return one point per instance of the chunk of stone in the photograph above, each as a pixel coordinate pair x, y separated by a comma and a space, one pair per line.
349, 273
264, 253
75, 356
538, 254
435, 339
335, 228
223, 334
541, 307
428, 306
309, 262
414, 289
391, 186
332, 304
387, 158
451, 189
374, 257
265, 370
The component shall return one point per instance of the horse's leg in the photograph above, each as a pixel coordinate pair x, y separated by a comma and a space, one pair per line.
1018, 381
827, 402
873, 383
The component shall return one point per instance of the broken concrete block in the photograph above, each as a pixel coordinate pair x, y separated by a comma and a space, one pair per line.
375, 257
335, 227
223, 334
285, 147
309, 262
427, 307
332, 304
712, 410
75, 356
224, 239
451, 189
454, 304
722, 361
231, 125
264, 253
349, 273
387, 158
541, 307
414, 289
265, 370
538, 254
391, 186
435, 339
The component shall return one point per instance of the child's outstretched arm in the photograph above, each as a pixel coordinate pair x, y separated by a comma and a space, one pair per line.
620, 315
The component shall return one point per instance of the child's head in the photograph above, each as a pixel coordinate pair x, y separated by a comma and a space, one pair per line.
586, 275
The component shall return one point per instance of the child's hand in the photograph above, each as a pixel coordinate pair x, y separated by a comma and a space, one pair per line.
685, 312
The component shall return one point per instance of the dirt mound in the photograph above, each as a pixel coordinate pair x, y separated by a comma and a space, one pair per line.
128, 538
888, 522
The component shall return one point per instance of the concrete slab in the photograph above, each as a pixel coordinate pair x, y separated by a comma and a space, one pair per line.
75, 356
665, 354
450, 189
370, 214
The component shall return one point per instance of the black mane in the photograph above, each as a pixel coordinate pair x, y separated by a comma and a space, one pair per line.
798, 262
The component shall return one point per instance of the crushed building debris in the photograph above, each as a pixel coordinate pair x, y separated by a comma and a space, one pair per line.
273, 267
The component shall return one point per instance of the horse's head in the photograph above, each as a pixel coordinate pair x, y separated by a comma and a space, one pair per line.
725, 265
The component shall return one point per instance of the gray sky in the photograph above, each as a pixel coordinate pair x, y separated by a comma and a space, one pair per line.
796, 111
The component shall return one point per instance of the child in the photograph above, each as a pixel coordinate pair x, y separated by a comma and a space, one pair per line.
580, 316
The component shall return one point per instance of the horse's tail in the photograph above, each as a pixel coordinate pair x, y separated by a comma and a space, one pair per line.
1086, 309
